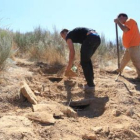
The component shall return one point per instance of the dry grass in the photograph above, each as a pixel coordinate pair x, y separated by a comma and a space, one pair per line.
49, 55
42, 45
5, 46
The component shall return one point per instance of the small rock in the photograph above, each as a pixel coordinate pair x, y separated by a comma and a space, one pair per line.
89, 136
40, 88
28, 93
97, 129
54, 108
37, 92
130, 112
69, 112
106, 130
116, 113
43, 107
42, 117
58, 115
135, 133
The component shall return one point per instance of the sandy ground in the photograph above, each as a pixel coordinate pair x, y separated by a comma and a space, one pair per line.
114, 113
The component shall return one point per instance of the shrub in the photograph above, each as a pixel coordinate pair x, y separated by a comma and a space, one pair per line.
48, 46
5, 46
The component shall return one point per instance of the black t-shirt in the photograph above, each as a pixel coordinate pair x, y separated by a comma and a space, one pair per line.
78, 35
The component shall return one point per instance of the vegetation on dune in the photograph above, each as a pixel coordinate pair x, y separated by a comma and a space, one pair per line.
43, 45
5, 46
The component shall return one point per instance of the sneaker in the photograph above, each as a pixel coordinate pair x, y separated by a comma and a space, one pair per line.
137, 79
89, 91
88, 88
113, 72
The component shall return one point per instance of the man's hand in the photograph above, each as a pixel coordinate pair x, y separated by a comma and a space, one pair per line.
116, 20
70, 73
68, 68
123, 27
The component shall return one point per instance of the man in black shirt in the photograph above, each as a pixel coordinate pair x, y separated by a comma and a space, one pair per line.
89, 40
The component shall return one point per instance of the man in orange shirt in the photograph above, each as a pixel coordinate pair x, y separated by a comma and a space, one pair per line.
131, 41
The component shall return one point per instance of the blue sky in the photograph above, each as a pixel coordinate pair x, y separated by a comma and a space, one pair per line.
25, 15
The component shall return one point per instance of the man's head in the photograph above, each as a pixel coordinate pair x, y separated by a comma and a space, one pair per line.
122, 17
63, 33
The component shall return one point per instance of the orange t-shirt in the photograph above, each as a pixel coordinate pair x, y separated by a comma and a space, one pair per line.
131, 38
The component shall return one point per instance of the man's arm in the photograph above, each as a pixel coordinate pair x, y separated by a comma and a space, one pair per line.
71, 54
123, 27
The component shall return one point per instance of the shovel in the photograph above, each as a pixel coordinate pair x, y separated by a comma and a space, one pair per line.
118, 54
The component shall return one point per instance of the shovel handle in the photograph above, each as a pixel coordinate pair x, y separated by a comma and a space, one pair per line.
117, 42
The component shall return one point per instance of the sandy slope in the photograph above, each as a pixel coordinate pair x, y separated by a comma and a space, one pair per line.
114, 113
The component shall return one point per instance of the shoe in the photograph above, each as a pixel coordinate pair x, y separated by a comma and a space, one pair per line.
137, 79
89, 91
113, 72
86, 87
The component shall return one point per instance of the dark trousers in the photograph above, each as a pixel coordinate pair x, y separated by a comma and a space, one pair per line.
88, 48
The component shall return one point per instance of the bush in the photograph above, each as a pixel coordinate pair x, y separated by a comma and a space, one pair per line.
48, 46
5, 46
41, 45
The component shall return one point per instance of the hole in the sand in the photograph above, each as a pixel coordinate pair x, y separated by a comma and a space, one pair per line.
81, 104
79, 108
91, 108
49, 69
55, 79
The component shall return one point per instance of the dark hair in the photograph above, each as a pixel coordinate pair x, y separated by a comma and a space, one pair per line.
63, 31
122, 14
